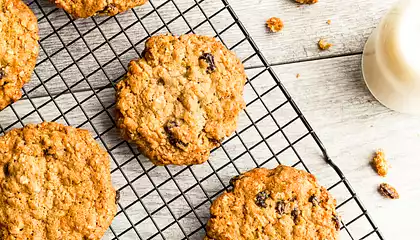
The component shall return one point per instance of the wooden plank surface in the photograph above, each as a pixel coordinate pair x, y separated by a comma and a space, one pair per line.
352, 125
351, 24
330, 91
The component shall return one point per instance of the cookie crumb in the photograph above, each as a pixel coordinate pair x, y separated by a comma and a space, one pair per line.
380, 164
306, 1
275, 24
298, 75
329, 22
388, 191
324, 45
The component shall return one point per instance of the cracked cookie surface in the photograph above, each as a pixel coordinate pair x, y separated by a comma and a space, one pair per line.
18, 49
283, 203
181, 98
89, 8
55, 183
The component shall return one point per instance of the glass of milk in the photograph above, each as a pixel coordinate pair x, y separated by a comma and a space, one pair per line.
391, 59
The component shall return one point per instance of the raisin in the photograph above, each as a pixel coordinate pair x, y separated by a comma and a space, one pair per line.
6, 170
388, 191
280, 208
314, 200
336, 222
168, 129
110, 8
143, 53
171, 138
208, 57
260, 199
2, 73
47, 152
234, 179
295, 215
216, 141
161, 81
117, 197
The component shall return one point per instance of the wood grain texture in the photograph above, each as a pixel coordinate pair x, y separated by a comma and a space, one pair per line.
352, 125
330, 92
351, 24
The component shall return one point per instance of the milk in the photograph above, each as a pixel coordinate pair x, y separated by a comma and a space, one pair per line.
391, 59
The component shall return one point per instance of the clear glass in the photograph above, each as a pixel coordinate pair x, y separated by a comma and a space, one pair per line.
391, 59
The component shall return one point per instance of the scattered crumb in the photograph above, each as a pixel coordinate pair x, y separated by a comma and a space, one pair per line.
307, 1
298, 75
388, 191
380, 164
329, 22
324, 45
275, 24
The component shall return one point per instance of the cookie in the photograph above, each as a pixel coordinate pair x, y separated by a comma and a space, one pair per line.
181, 98
18, 49
55, 183
283, 204
89, 8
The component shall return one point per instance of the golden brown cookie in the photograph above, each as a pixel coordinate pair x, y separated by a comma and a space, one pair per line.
89, 8
55, 183
181, 98
282, 204
18, 49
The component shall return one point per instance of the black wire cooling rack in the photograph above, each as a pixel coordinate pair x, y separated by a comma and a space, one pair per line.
80, 61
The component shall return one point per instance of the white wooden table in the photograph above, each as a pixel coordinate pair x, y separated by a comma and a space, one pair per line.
330, 91
333, 96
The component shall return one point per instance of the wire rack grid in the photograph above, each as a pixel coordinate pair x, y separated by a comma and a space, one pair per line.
79, 64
